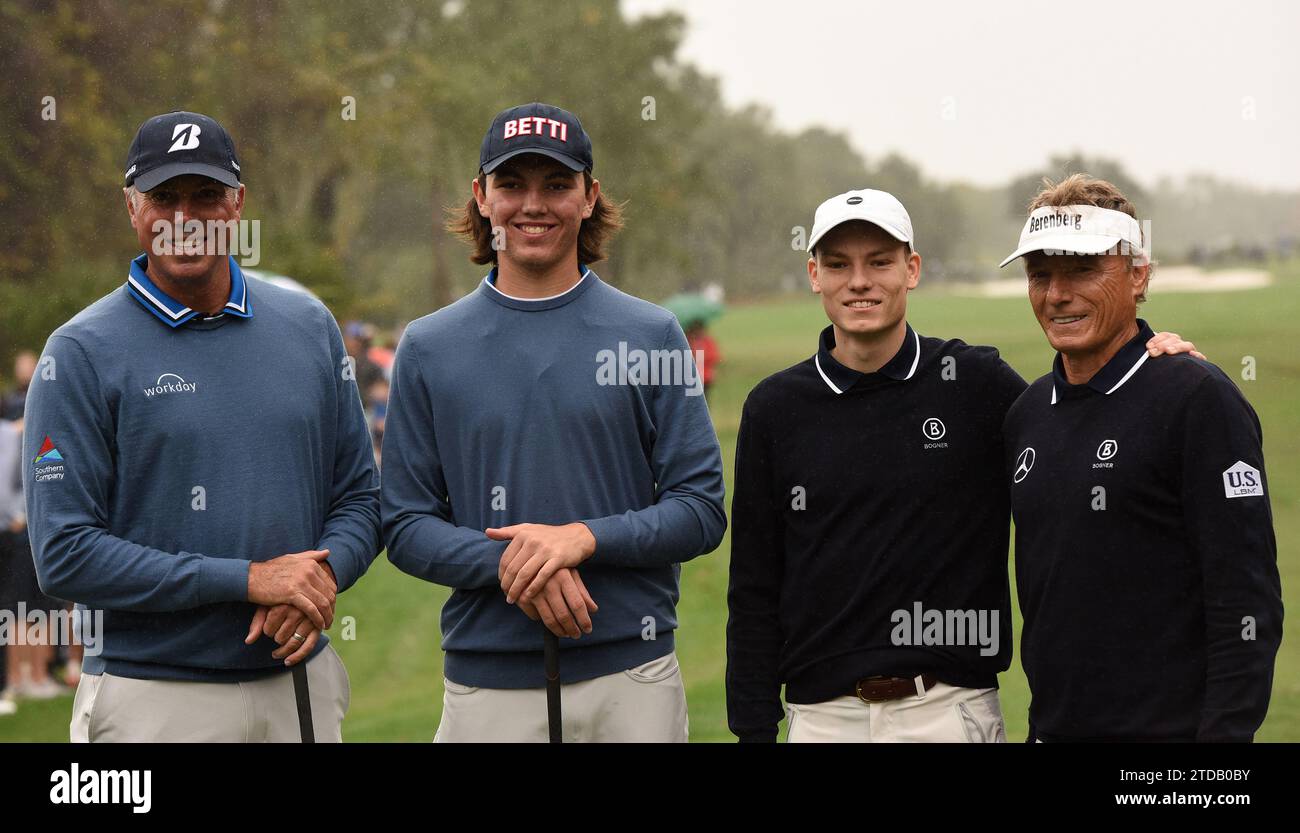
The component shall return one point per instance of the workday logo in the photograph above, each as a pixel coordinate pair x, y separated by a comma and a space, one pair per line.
170, 383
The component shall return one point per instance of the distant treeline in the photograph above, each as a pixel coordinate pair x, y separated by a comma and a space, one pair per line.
358, 125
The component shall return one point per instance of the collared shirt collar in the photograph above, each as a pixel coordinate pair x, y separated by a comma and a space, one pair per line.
1115, 373
840, 378
172, 312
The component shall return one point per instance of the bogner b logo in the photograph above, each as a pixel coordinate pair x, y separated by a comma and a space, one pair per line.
1242, 480
1105, 451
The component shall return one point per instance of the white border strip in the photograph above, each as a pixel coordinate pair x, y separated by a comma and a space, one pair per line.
825, 378
581, 278
172, 315
1131, 371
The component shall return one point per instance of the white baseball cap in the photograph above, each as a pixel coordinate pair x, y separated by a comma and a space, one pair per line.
1079, 230
876, 207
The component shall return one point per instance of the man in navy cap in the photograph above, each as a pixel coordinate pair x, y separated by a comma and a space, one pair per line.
199, 471
524, 465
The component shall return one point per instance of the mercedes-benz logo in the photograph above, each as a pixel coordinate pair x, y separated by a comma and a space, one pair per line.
1024, 463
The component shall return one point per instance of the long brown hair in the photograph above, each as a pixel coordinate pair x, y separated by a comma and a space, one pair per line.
593, 235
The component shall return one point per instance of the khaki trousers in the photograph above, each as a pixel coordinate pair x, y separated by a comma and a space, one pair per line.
112, 709
645, 704
944, 714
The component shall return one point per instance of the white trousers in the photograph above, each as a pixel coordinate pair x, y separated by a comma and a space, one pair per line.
944, 714
645, 704
112, 709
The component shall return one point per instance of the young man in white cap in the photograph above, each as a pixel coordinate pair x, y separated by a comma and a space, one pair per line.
870, 520
1145, 558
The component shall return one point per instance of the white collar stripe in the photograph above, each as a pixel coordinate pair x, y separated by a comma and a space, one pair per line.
581, 278
242, 306
825, 378
915, 359
161, 306
1131, 371
1127, 376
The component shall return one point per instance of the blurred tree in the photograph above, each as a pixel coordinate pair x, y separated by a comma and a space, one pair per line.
1023, 188
358, 126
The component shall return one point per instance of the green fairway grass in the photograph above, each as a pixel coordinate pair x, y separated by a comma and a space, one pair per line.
395, 663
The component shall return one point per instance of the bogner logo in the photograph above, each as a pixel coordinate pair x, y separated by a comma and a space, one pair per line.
934, 430
1242, 480
1105, 451
170, 383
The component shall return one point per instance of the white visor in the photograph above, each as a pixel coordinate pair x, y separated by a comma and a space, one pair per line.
1079, 230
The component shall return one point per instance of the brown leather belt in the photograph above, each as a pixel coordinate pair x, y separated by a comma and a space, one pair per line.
882, 689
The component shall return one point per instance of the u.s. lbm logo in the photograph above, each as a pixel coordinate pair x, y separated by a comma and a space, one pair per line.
1242, 480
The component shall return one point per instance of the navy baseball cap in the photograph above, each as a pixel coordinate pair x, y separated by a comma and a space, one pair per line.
179, 143
536, 128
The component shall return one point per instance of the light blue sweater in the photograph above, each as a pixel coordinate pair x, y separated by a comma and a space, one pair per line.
163, 453
507, 411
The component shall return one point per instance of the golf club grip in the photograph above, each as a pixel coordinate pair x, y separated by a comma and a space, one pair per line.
551, 656
303, 695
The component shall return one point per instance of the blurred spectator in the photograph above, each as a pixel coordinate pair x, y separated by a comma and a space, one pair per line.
376, 411
26, 665
705, 351
357, 336
14, 401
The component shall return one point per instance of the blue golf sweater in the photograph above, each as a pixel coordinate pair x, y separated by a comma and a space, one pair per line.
165, 451
578, 407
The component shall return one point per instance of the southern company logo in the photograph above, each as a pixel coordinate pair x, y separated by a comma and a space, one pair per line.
48, 464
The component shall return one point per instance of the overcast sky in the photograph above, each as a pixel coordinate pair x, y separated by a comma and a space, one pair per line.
983, 91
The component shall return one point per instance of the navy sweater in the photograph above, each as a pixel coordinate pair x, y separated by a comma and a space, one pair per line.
164, 452
507, 411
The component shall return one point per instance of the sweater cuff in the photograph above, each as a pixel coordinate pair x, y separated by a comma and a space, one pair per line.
339, 562
223, 580
766, 736
614, 540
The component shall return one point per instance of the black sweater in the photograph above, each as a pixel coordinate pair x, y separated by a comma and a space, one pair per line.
851, 506
1145, 557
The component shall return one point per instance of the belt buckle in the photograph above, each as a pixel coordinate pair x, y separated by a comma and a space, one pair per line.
858, 689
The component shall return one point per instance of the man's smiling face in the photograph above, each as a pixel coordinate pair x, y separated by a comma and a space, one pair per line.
1084, 303
863, 275
189, 197
540, 204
